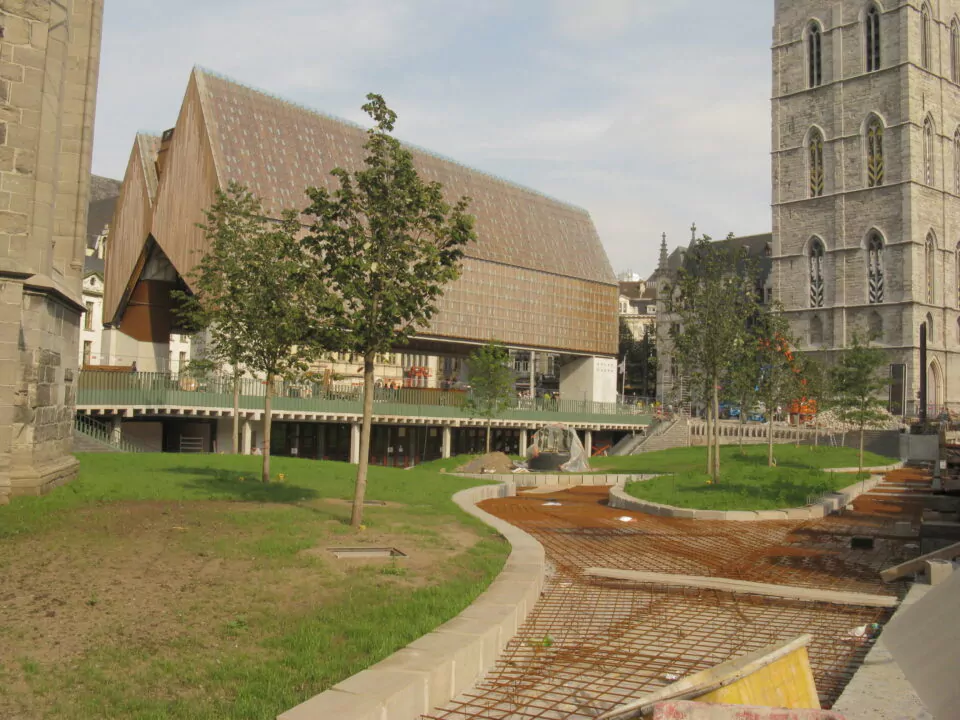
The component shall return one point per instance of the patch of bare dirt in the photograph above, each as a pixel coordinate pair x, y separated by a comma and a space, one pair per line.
495, 462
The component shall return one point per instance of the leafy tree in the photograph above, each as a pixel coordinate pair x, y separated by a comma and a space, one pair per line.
818, 387
491, 383
742, 383
388, 244
857, 383
713, 299
253, 289
780, 374
640, 357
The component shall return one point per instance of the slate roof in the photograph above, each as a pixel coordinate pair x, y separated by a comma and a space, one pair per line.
755, 246
277, 149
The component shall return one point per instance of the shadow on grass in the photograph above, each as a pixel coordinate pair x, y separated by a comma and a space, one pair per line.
243, 486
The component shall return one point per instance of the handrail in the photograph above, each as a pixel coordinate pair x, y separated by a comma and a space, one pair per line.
111, 389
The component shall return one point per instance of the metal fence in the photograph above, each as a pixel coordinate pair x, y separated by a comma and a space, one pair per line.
99, 389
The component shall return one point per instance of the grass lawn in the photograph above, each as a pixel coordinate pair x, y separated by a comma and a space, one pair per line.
179, 586
746, 483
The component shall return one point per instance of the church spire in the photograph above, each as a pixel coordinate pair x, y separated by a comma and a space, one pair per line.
693, 234
663, 252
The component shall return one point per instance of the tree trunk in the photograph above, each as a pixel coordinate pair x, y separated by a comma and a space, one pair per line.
267, 418
741, 428
770, 439
489, 433
709, 443
716, 419
236, 413
860, 469
816, 430
356, 518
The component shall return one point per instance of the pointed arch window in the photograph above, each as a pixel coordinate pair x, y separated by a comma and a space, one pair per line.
875, 269
930, 337
928, 143
930, 265
815, 150
956, 161
874, 152
872, 29
816, 273
955, 51
956, 257
925, 37
814, 55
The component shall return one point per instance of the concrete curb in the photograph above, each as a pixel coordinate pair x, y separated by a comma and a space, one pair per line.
434, 669
829, 503
523, 481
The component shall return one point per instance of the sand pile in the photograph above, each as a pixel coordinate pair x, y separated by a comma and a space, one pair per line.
496, 462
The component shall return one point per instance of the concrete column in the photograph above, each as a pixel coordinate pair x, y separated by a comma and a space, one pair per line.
246, 438
116, 428
533, 374
588, 442
446, 442
355, 443
523, 441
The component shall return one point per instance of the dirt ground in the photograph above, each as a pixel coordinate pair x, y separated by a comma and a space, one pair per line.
146, 574
496, 462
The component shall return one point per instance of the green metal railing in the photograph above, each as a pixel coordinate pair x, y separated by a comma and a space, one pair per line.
99, 389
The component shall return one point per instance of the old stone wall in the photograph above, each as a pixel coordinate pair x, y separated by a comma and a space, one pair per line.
49, 63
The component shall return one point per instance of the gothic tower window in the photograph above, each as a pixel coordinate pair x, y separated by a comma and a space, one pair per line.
958, 330
929, 327
816, 273
875, 268
872, 28
876, 327
874, 152
814, 56
955, 51
956, 256
816, 331
929, 264
928, 145
956, 161
925, 37
815, 149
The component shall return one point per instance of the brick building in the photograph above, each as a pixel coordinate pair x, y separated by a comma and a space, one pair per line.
49, 62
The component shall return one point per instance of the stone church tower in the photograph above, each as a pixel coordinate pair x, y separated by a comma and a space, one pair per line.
866, 182
49, 62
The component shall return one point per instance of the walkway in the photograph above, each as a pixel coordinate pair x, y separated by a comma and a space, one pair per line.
591, 644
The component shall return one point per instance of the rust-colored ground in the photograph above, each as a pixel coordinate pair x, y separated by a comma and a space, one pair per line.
591, 645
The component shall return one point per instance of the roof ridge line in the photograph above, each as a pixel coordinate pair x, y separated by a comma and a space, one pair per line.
411, 146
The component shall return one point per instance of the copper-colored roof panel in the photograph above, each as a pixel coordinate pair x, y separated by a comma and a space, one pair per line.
277, 149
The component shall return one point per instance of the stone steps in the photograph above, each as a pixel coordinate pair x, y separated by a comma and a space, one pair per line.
85, 444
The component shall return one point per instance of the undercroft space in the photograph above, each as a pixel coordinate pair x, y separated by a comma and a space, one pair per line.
592, 644
172, 586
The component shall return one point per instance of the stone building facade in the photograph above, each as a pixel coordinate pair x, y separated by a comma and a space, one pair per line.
49, 63
866, 182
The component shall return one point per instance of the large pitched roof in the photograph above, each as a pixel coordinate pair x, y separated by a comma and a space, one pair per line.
149, 147
277, 149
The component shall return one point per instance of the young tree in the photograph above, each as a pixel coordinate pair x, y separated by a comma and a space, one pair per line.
255, 291
818, 387
713, 299
779, 374
741, 385
857, 383
491, 383
388, 243
640, 359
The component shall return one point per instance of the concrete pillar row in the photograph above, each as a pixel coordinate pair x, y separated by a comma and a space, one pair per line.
588, 442
355, 443
524, 444
116, 428
446, 442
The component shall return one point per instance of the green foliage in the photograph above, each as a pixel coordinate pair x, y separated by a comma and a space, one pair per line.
641, 360
491, 383
388, 244
780, 379
857, 383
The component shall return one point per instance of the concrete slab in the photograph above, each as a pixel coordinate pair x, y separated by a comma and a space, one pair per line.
879, 690
336, 704
925, 641
686, 710
938, 571
402, 694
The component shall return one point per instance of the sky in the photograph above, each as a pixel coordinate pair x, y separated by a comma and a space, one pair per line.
649, 115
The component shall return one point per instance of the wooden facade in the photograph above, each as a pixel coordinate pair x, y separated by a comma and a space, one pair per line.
537, 277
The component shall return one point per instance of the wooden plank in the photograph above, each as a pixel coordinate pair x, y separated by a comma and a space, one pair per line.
917, 564
740, 586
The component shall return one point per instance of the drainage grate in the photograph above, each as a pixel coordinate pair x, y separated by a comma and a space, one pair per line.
366, 552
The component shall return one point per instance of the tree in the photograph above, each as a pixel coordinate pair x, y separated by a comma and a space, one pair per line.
491, 383
255, 292
857, 384
388, 244
779, 374
819, 388
741, 385
640, 358
713, 298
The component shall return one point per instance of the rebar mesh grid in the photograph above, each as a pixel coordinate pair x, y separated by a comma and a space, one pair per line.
590, 644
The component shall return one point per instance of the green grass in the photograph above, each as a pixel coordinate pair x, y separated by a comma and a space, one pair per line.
150, 637
746, 483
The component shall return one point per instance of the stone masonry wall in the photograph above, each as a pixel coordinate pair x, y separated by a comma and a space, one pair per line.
49, 63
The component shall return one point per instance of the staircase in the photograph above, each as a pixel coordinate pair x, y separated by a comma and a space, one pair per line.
90, 435
670, 434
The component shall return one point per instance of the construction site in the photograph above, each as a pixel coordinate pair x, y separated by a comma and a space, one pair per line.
634, 603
